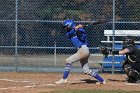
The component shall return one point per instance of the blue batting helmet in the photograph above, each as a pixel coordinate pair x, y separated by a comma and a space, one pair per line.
69, 24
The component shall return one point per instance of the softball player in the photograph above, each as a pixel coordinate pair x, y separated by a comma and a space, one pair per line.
77, 35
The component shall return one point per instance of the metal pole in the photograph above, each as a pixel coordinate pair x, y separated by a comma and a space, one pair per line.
55, 53
113, 41
16, 31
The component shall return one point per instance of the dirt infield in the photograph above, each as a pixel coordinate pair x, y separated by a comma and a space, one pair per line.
19, 82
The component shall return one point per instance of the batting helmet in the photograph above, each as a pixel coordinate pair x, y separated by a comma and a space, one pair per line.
128, 40
69, 24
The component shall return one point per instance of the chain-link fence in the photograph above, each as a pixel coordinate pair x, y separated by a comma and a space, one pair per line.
32, 38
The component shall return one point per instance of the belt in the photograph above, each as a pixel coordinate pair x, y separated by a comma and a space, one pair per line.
81, 46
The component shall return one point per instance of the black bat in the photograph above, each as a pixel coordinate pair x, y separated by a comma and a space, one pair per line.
97, 22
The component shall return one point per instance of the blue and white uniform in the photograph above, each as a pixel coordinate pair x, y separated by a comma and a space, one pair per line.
79, 39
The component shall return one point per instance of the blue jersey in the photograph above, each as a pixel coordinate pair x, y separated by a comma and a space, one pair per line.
78, 40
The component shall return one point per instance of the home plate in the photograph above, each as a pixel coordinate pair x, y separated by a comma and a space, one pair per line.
50, 84
134, 84
47, 85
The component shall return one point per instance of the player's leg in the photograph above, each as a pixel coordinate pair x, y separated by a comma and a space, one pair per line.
138, 69
86, 70
135, 71
82, 53
132, 71
126, 68
68, 66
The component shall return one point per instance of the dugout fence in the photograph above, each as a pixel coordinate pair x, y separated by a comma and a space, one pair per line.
31, 37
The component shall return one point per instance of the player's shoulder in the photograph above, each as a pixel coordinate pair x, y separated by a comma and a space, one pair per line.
134, 48
81, 29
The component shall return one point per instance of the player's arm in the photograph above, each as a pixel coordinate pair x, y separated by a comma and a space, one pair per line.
80, 32
71, 32
106, 51
124, 51
119, 52
78, 26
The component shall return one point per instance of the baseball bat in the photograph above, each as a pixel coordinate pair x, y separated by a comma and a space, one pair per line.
97, 22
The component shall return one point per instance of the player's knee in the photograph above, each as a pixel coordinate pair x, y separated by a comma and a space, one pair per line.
86, 70
127, 68
135, 74
68, 61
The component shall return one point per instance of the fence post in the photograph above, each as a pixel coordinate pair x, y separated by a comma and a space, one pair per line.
16, 37
113, 41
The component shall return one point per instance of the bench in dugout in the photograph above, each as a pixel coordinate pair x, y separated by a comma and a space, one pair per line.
116, 61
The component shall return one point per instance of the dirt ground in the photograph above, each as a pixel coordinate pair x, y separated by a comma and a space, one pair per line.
23, 82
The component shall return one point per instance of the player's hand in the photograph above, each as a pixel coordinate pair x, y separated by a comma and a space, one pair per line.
104, 51
78, 26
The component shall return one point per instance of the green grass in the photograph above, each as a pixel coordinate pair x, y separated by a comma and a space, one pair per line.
91, 91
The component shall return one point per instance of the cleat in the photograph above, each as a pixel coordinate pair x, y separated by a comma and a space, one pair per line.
61, 81
104, 82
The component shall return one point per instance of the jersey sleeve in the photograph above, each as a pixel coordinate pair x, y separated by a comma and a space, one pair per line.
70, 34
81, 34
131, 50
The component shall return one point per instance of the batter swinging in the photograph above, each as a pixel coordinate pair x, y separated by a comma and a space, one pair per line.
79, 39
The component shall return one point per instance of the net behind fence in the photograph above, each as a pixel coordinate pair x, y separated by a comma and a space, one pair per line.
32, 38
